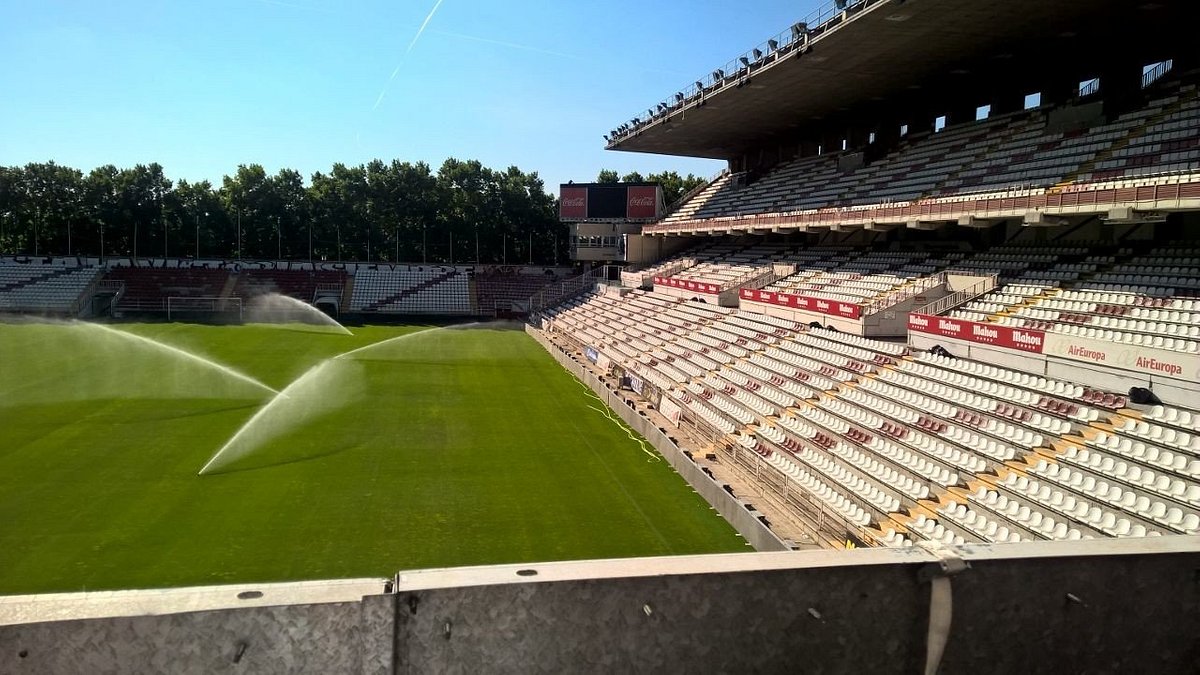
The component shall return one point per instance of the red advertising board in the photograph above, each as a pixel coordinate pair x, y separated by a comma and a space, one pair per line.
846, 310
697, 286
641, 202
572, 203
983, 333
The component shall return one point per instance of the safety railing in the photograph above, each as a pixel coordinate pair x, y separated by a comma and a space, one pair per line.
901, 294
960, 297
568, 288
678, 203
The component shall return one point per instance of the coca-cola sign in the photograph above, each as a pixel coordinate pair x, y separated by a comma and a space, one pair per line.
572, 203
641, 202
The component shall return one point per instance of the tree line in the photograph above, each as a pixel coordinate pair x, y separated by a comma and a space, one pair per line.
673, 185
380, 211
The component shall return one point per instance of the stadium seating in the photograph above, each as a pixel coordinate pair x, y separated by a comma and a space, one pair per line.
501, 290
299, 284
411, 290
149, 288
1004, 152
42, 288
905, 447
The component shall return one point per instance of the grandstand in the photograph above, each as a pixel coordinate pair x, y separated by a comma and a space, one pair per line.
46, 286
1028, 251
75, 286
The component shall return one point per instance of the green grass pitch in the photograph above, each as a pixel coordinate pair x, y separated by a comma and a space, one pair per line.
449, 447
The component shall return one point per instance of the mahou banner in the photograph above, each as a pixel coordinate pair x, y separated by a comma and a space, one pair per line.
982, 333
572, 203
846, 310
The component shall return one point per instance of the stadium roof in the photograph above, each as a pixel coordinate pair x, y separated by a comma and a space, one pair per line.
897, 49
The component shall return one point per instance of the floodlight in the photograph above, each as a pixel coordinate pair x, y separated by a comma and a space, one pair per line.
841, 4
745, 61
757, 54
799, 29
718, 74
773, 44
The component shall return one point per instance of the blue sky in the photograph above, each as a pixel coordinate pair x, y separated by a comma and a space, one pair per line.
202, 86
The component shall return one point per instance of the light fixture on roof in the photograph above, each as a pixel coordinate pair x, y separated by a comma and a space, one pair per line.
773, 44
841, 4
718, 75
699, 86
799, 30
679, 97
757, 54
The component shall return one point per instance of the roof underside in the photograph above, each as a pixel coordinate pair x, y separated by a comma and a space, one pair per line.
894, 51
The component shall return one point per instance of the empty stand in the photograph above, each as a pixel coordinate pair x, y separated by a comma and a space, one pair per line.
412, 290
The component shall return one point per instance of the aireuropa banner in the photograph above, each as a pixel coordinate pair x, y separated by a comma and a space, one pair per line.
1145, 360
846, 310
697, 286
982, 333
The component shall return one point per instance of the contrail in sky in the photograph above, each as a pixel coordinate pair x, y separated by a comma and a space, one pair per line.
413, 43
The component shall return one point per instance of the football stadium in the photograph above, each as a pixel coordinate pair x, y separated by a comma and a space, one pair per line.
912, 385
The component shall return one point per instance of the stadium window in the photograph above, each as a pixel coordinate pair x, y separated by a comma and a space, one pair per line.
820, 150
983, 112
871, 137
1033, 100
903, 129
939, 124
845, 144
1089, 87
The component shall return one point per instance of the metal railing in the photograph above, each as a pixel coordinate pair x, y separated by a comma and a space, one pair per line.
902, 294
957, 298
678, 203
772, 50
568, 288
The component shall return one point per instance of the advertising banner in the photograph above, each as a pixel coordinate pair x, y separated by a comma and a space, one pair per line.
846, 310
1144, 360
696, 286
1021, 339
572, 203
641, 202
670, 410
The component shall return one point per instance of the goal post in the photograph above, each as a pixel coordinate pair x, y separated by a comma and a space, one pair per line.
194, 308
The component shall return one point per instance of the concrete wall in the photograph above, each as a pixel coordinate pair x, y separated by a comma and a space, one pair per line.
744, 520
325, 638
1106, 606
